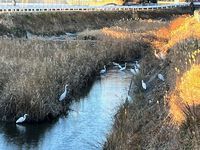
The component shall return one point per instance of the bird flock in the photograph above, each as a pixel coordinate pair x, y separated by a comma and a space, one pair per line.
61, 98
135, 70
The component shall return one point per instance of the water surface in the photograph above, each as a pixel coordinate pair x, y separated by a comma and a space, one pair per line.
85, 128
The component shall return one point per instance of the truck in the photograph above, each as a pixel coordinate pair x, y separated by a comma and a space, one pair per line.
95, 2
108, 2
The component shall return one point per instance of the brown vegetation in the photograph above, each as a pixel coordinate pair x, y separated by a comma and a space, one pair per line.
166, 115
53, 23
33, 73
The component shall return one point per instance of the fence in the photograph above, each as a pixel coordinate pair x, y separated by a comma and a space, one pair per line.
43, 7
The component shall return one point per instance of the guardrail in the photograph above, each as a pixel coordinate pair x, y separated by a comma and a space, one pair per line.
36, 7
196, 3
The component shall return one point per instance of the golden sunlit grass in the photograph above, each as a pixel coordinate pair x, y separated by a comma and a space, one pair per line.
180, 29
187, 92
117, 34
132, 30
187, 89
155, 118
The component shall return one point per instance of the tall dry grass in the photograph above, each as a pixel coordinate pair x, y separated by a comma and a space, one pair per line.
33, 73
178, 30
151, 121
54, 23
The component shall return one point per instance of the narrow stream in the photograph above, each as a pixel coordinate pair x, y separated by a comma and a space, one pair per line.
85, 128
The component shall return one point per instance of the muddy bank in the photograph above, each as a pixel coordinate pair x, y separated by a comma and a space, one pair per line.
54, 23
152, 119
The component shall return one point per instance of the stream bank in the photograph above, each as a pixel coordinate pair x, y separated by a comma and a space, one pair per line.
166, 115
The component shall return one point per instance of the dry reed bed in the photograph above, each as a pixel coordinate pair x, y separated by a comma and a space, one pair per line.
52, 23
166, 116
33, 73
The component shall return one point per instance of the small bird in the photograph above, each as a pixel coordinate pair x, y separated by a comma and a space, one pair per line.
144, 86
64, 94
160, 76
103, 70
21, 119
123, 68
137, 64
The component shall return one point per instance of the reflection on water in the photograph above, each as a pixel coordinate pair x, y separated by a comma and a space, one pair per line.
85, 127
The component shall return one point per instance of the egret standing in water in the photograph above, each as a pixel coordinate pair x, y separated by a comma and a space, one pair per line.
64, 94
21, 119
103, 70
144, 86
123, 68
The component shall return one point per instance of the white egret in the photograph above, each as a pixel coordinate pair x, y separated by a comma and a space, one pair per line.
22, 119
103, 70
150, 101
115, 64
160, 76
135, 70
120, 67
144, 86
64, 94
137, 64
160, 55
123, 68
